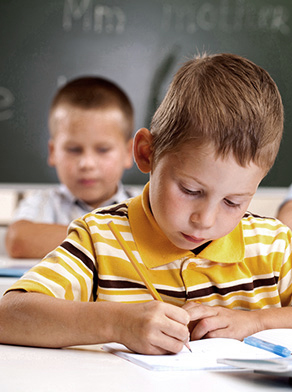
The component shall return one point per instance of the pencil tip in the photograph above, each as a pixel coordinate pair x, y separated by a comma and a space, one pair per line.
188, 347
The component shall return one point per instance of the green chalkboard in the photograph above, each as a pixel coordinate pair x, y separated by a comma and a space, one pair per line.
137, 43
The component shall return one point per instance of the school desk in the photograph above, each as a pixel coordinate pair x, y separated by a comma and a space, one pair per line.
12, 269
81, 369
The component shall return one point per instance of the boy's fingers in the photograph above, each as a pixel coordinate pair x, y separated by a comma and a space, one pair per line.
174, 327
175, 330
177, 314
205, 327
191, 304
197, 311
160, 328
178, 333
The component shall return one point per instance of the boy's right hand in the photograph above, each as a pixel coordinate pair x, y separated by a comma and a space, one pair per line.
152, 328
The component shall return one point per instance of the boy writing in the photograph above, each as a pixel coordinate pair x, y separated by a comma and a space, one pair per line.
220, 271
91, 127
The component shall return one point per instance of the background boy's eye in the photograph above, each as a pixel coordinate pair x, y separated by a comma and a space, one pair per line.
74, 149
102, 150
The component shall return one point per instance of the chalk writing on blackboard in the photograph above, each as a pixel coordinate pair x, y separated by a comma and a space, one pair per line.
228, 16
97, 18
6, 102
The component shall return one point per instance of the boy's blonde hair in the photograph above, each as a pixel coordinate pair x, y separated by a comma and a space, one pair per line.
224, 100
90, 92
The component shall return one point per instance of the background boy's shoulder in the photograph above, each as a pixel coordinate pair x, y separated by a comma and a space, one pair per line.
133, 190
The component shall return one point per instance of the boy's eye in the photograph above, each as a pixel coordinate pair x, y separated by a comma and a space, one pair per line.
102, 150
190, 192
231, 203
74, 149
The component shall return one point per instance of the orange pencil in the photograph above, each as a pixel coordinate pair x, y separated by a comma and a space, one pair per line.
135, 263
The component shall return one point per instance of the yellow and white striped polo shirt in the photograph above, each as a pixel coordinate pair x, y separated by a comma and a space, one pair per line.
250, 268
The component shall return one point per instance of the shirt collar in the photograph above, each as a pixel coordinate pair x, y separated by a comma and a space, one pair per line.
121, 194
66, 194
156, 250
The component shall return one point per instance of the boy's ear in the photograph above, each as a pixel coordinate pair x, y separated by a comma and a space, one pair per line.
51, 151
143, 150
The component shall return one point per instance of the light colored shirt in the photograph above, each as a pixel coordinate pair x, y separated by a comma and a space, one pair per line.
250, 268
288, 196
58, 205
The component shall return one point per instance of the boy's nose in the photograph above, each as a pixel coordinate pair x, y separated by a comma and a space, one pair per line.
88, 161
205, 216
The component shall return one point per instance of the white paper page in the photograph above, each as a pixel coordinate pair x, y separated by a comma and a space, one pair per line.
203, 357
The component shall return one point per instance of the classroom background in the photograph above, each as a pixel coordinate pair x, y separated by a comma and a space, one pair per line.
140, 45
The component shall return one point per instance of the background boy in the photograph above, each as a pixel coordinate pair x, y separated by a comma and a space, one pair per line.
91, 134
285, 209
212, 140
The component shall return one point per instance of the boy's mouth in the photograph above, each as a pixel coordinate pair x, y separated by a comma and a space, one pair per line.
87, 182
194, 240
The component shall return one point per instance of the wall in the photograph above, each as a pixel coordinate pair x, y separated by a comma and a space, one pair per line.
137, 43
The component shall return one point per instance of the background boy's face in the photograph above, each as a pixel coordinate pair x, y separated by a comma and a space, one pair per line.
196, 198
89, 151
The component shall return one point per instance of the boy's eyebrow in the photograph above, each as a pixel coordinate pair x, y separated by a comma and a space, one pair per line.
243, 194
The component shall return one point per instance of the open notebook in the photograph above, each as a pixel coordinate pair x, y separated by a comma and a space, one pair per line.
278, 365
210, 354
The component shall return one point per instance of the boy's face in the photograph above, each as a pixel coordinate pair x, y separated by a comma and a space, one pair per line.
89, 151
196, 198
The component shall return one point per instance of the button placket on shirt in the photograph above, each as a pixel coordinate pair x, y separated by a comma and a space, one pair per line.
188, 270
185, 267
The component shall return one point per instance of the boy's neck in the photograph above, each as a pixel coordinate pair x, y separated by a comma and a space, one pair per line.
199, 249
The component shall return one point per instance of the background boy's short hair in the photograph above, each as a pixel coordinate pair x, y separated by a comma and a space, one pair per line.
93, 92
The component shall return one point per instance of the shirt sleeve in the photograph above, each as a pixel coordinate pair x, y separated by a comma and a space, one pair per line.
36, 207
69, 272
